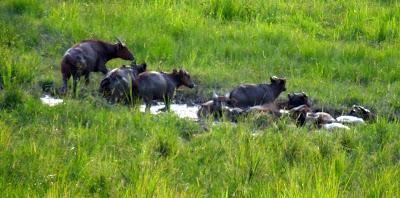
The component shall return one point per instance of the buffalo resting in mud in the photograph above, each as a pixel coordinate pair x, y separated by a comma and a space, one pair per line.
362, 112
214, 107
296, 99
90, 56
117, 85
160, 86
248, 95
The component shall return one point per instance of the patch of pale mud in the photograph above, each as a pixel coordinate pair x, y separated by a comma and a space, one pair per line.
350, 120
333, 126
50, 101
182, 110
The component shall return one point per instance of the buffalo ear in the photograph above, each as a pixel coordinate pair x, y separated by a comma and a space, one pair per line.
174, 71
304, 94
273, 78
290, 95
144, 65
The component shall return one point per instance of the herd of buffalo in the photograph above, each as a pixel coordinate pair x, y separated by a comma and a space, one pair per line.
134, 81
131, 82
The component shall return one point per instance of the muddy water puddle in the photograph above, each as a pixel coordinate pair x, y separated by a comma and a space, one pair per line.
181, 110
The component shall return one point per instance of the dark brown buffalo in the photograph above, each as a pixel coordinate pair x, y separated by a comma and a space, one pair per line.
248, 95
299, 114
117, 85
297, 99
90, 56
214, 107
160, 86
294, 99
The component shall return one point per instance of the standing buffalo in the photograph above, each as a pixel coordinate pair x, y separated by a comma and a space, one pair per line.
248, 95
117, 85
160, 86
88, 56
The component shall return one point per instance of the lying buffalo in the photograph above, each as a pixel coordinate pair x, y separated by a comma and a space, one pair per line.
160, 86
214, 107
294, 99
117, 85
90, 56
248, 95
297, 99
320, 118
362, 112
299, 114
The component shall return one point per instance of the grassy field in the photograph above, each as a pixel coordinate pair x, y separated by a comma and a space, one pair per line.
339, 52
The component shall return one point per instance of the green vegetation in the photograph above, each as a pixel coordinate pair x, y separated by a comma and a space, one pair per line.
340, 52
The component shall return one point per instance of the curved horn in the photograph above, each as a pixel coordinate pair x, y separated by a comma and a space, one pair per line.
119, 40
215, 94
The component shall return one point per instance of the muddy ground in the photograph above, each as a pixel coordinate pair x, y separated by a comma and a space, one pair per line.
199, 95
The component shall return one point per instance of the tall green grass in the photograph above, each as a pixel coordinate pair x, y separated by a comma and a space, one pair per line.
339, 52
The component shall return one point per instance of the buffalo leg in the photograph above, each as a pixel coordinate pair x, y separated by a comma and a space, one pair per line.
147, 101
87, 79
75, 83
148, 105
103, 70
65, 77
167, 101
66, 71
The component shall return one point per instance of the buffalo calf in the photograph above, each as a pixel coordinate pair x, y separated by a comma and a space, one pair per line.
117, 85
160, 86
